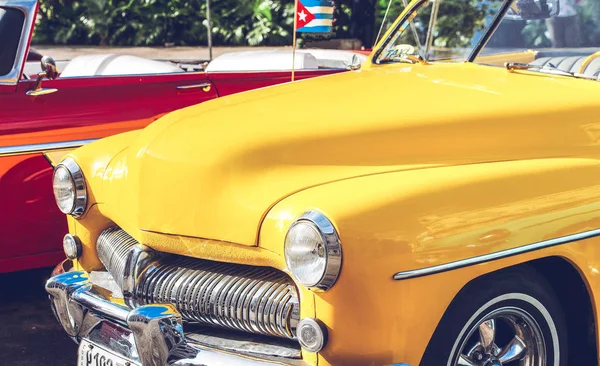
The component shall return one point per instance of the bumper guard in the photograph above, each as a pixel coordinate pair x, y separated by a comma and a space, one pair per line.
147, 335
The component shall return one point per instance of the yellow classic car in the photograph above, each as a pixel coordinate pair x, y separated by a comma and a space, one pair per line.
438, 207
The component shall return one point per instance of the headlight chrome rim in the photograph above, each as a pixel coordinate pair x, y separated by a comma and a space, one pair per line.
80, 201
333, 249
72, 246
319, 334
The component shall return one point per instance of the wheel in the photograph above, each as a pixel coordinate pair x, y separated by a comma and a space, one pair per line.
509, 318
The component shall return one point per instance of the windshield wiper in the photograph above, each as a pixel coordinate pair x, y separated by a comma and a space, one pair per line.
547, 69
511, 66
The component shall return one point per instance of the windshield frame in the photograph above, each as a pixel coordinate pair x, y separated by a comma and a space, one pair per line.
414, 6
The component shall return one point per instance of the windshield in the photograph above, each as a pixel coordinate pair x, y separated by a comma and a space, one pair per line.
393, 9
567, 40
10, 21
440, 30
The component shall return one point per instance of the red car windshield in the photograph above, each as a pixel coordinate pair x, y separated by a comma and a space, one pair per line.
10, 21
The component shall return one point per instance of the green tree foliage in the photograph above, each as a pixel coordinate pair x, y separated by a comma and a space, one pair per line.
157, 22
535, 34
256, 22
234, 22
395, 9
183, 22
472, 16
588, 20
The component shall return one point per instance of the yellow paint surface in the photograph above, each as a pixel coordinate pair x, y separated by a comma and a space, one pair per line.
416, 166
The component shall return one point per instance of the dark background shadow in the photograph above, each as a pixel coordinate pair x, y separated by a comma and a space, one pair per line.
30, 335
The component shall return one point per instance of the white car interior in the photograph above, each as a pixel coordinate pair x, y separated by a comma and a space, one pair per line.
282, 60
111, 64
256, 60
571, 61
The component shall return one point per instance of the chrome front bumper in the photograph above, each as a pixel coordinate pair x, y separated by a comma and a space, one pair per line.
148, 335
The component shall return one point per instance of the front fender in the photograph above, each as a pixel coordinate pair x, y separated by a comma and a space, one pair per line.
95, 157
402, 221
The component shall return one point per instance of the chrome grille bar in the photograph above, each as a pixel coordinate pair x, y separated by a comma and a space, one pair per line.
113, 245
253, 299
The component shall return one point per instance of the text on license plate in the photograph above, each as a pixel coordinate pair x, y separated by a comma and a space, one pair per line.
93, 355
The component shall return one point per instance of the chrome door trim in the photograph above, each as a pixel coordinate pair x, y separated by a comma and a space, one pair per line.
195, 86
404, 275
35, 148
29, 8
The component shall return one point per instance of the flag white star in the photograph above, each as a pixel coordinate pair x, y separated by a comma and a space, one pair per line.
302, 15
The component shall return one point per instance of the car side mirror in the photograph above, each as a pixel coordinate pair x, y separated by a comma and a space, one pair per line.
49, 71
533, 9
49, 67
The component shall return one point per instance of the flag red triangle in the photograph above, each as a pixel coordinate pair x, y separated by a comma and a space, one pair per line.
303, 16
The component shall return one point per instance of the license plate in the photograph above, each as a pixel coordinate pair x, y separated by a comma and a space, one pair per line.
93, 355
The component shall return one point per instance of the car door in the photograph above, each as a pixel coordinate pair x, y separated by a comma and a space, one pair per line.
80, 111
83, 108
74, 111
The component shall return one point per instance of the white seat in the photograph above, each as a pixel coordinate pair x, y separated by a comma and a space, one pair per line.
110, 64
336, 59
268, 60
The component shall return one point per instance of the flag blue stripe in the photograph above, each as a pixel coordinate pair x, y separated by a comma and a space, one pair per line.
323, 16
317, 2
319, 29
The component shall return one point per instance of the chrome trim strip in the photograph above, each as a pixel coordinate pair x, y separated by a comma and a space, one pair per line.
94, 301
48, 146
28, 8
195, 86
495, 256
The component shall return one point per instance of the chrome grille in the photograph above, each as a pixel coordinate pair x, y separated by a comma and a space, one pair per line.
113, 245
253, 299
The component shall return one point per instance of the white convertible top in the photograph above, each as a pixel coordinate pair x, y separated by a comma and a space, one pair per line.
336, 59
278, 60
110, 64
262, 60
255, 60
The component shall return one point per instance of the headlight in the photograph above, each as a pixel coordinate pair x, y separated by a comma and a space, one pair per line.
69, 188
312, 251
72, 246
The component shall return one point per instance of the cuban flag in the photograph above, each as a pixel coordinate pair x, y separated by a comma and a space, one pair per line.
314, 16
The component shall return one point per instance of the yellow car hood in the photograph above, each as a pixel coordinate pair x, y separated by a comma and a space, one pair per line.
214, 170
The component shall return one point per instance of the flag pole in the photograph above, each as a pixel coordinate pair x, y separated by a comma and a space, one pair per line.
208, 20
294, 42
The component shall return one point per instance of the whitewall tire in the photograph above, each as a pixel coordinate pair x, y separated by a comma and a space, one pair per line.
509, 318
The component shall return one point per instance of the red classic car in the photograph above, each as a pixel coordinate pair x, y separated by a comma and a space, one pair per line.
43, 112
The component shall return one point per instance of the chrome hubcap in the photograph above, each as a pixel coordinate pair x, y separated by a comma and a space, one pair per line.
506, 336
